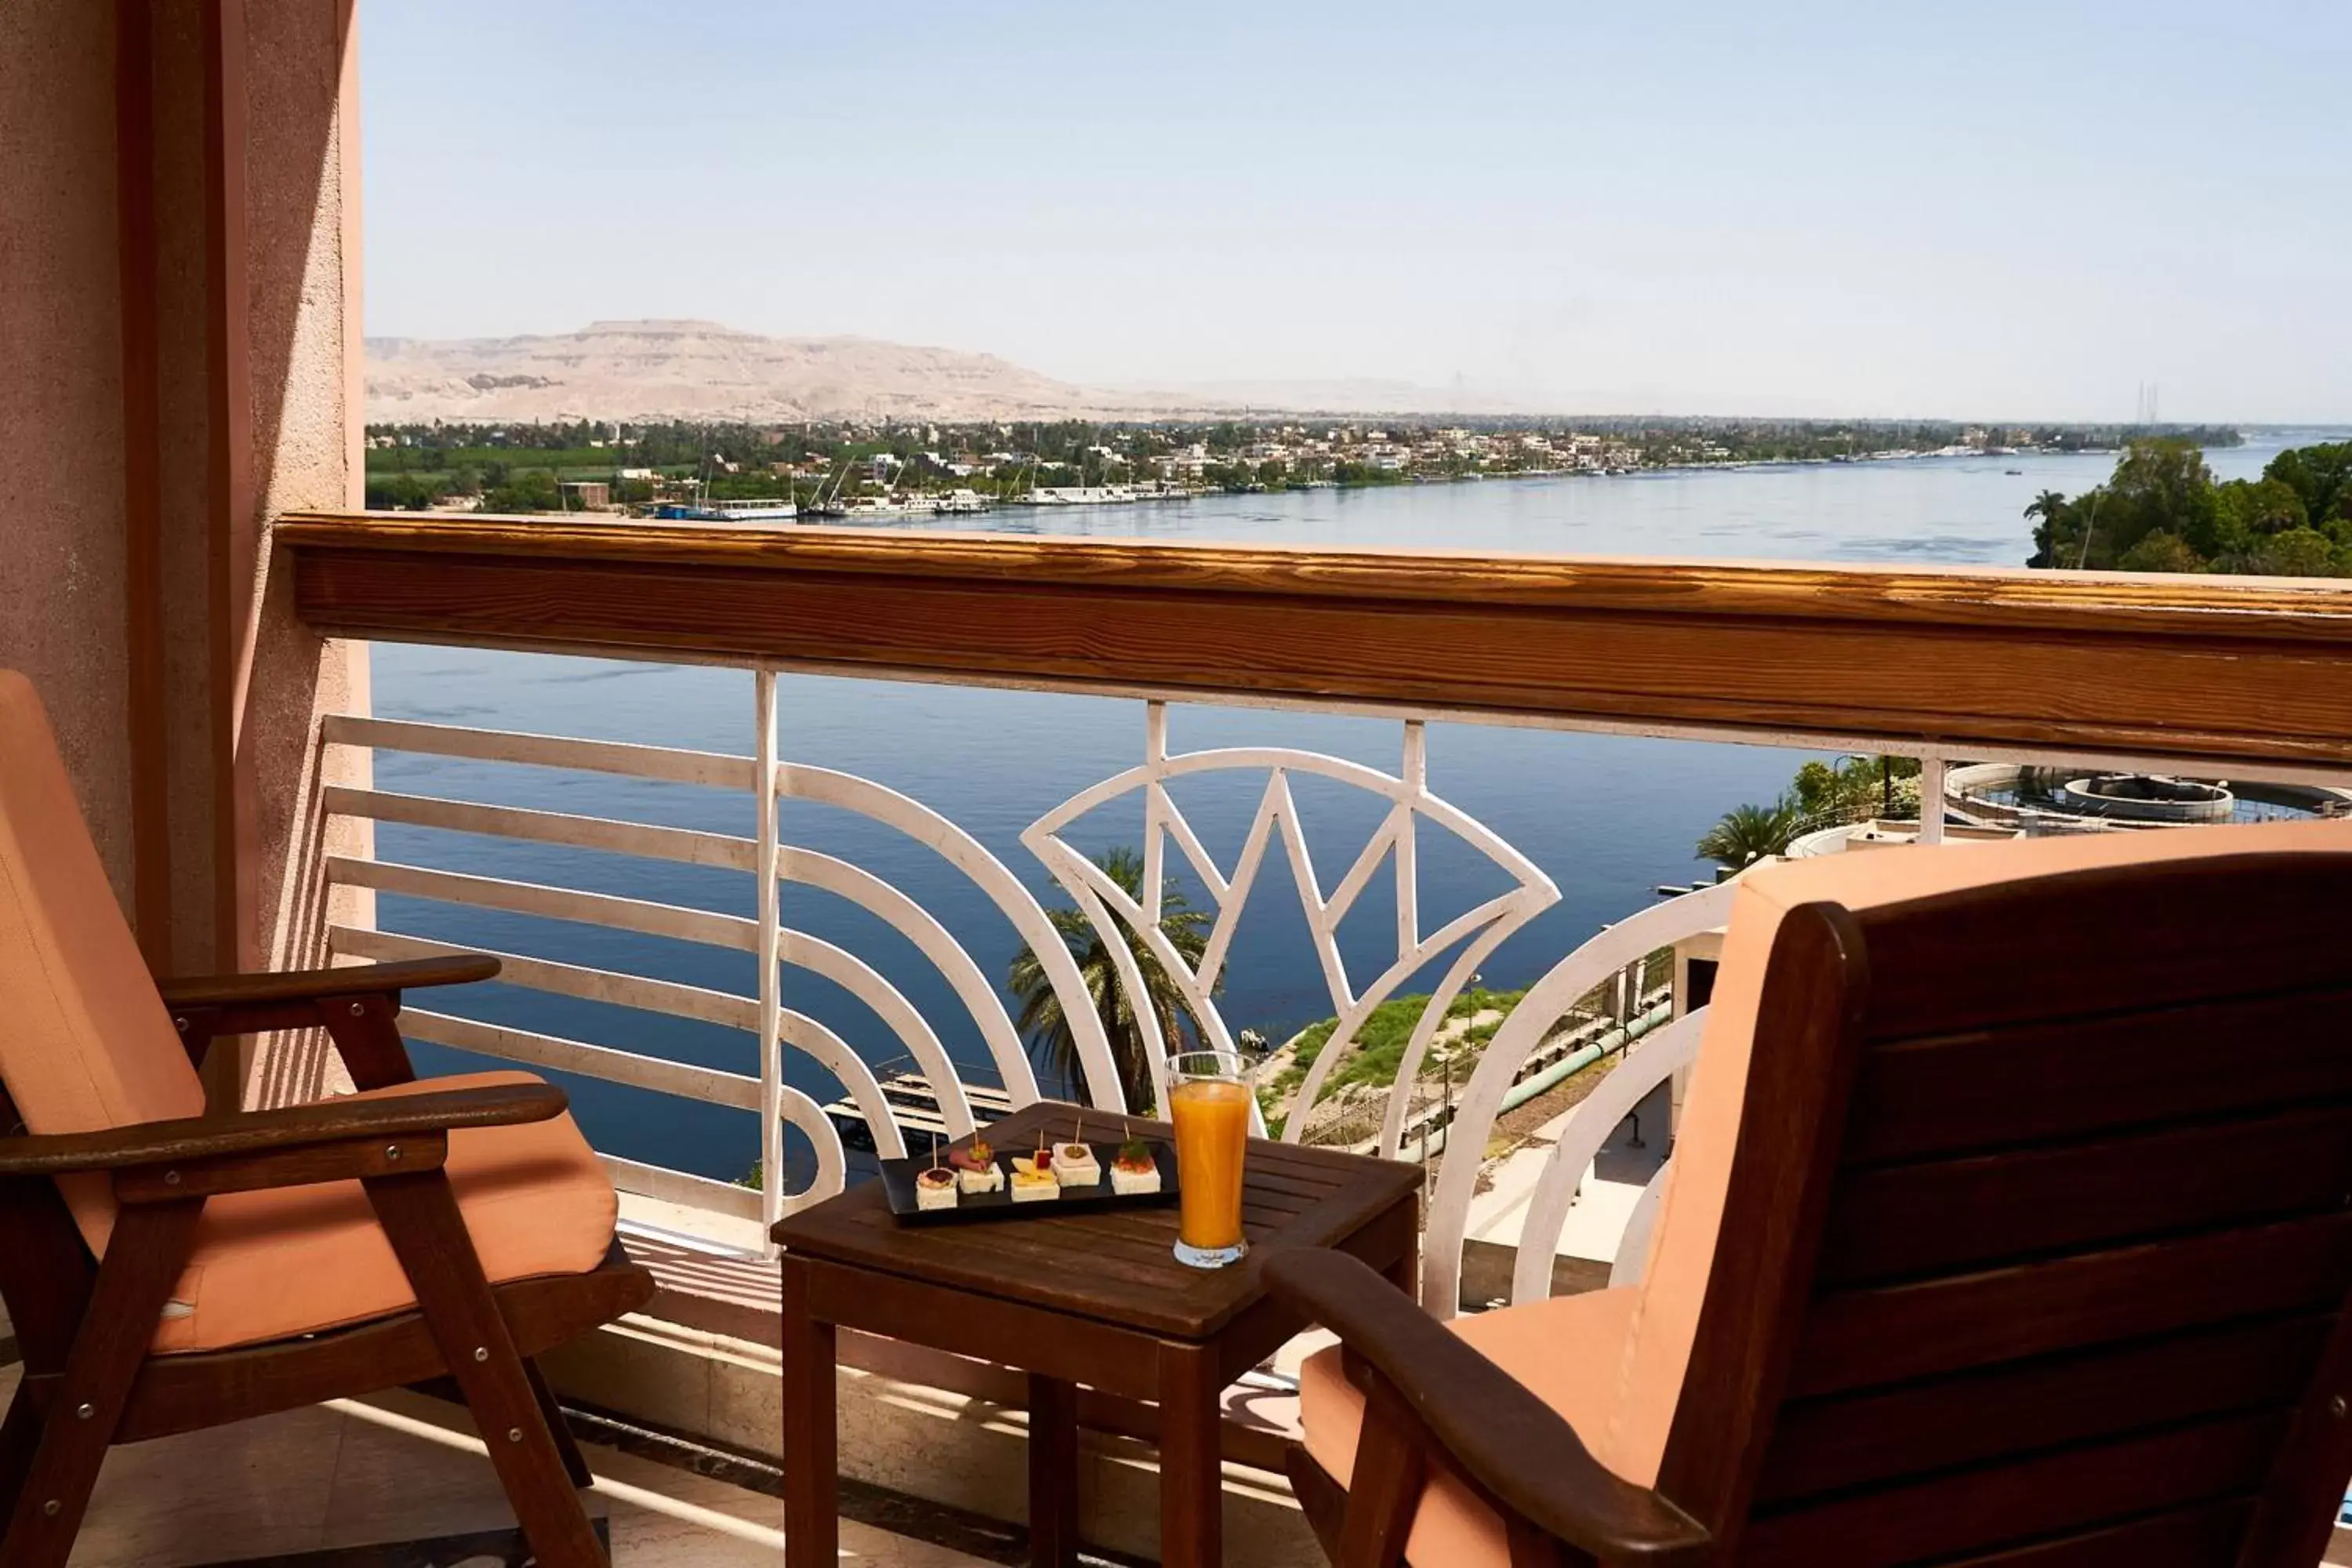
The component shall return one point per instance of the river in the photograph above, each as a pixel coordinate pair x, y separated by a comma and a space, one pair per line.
1608, 817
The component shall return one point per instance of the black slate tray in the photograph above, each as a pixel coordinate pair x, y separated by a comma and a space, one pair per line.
899, 1185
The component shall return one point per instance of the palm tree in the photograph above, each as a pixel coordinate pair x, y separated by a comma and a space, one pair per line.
1749, 833
2047, 506
1047, 1027
2049, 509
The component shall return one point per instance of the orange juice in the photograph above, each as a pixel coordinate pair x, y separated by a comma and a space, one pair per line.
1213, 1120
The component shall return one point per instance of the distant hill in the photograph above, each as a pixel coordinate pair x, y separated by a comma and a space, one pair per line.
700, 370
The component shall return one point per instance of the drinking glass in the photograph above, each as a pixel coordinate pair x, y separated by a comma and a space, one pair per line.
1209, 1102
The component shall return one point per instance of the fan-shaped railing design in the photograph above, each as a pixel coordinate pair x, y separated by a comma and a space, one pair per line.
1475, 933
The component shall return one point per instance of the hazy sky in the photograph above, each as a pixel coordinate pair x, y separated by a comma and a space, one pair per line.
1974, 210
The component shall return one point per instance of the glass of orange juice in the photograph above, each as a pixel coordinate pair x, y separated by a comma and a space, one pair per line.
1209, 1102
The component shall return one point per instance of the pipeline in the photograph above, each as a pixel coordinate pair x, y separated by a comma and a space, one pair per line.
1576, 1061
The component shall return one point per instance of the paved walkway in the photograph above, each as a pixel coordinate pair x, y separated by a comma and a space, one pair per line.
1596, 1221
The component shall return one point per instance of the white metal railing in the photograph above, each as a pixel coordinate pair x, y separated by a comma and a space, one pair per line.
710, 1086
1532, 1034
1646, 1065
764, 936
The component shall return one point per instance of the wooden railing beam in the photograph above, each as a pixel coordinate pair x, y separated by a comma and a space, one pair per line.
2254, 670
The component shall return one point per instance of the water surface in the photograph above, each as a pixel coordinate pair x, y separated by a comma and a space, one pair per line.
1608, 818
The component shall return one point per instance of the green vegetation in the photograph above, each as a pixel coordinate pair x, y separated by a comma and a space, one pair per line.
1372, 1063
2164, 512
1380, 1043
1822, 795
1853, 788
576, 462
1047, 1027
411, 465
525, 489
1747, 834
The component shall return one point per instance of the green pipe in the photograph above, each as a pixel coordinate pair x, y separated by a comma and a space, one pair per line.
1575, 1061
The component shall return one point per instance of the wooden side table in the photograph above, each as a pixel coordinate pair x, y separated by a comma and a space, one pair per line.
1095, 1300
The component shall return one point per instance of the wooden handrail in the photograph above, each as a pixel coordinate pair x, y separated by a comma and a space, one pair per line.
2197, 669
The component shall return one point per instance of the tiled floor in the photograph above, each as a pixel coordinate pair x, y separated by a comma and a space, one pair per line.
398, 1470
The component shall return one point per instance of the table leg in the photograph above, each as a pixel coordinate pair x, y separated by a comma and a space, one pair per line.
811, 1438
1405, 1273
1052, 1472
1191, 1491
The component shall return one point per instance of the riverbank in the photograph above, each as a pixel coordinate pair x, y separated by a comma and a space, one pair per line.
915, 469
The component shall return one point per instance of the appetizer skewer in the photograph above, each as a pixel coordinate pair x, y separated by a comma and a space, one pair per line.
1034, 1184
936, 1187
1074, 1163
975, 1177
1134, 1170
976, 1168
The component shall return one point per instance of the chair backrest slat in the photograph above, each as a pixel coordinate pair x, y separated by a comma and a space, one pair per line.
1924, 1218
1823, 1444
2050, 1493
2143, 938
2060, 1288
1876, 1335
2073, 1077
2195, 1536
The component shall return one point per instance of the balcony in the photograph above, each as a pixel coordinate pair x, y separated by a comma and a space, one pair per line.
761, 950
664, 918
759, 961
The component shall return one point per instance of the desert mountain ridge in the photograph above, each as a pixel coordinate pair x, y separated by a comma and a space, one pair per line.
702, 370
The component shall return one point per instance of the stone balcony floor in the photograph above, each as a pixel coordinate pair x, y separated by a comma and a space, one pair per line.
400, 1482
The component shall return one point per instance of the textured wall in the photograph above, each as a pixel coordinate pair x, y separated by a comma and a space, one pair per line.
61, 545
243, 678
304, 278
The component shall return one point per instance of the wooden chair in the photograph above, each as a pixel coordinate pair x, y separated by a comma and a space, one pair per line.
169, 1269
2010, 1223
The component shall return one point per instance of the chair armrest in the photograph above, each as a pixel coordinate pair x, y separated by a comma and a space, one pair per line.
203, 1138
205, 1007
1503, 1439
321, 985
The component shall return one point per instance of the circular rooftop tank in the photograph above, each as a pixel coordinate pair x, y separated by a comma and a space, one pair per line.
2148, 797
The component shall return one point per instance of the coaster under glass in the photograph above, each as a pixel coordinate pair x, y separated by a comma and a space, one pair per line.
1210, 1257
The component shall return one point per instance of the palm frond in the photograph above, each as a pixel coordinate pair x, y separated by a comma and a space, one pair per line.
1045, 1023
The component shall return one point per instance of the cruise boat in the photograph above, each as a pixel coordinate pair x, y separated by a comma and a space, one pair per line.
1079, 495
765, 509
909, 505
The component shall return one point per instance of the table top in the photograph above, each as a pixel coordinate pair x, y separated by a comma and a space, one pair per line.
1116, 1266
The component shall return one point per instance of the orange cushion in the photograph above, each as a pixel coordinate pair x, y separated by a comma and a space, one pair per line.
85, 1044
295, 1260
1565, 1351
